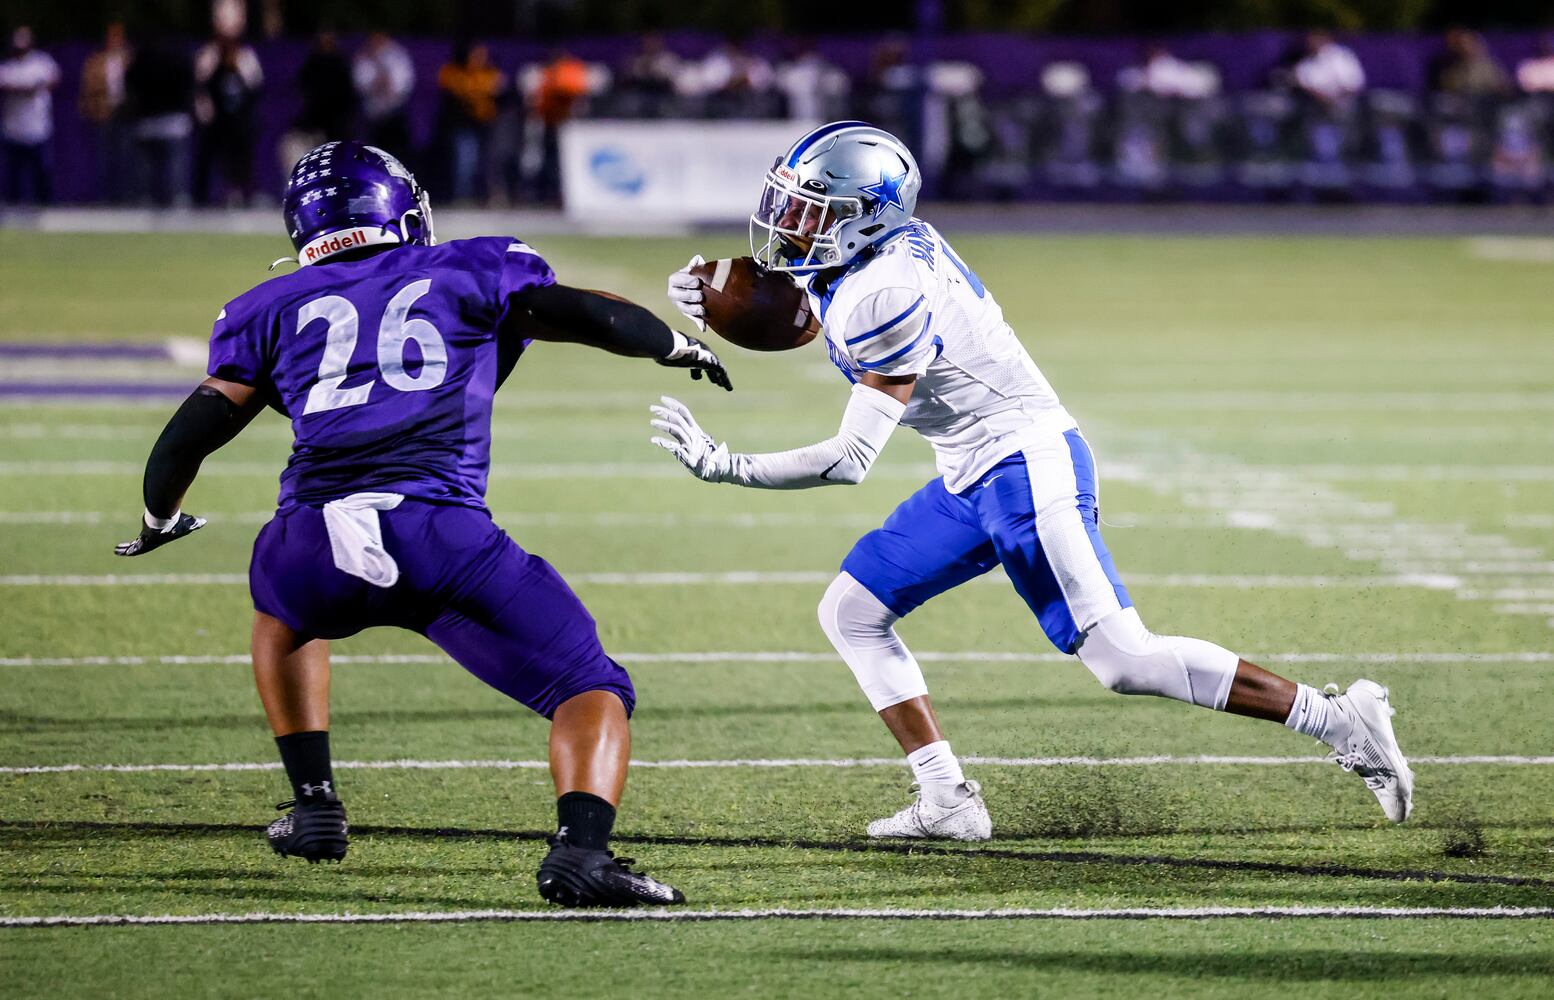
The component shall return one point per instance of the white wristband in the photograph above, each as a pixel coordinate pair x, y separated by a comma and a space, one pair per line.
680, 345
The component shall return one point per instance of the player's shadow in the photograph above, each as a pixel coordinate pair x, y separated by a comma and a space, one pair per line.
848, 707
29, 833
345, 891
20, 724
1273, 965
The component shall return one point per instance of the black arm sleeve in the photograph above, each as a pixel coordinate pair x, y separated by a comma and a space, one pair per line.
574, 315
206, 421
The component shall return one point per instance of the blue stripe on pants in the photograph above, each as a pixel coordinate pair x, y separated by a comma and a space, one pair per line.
936, 540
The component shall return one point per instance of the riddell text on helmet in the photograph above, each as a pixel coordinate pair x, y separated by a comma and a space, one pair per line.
334, 244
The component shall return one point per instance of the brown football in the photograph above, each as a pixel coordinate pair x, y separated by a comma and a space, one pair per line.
754, 308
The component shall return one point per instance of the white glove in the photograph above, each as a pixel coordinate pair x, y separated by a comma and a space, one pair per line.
686, 441
686, 294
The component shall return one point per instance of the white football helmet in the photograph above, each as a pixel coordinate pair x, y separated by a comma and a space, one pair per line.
836, 191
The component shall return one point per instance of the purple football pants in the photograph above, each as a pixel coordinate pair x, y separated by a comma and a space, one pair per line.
503, 614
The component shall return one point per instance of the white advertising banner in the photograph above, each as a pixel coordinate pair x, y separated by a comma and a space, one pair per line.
631, 172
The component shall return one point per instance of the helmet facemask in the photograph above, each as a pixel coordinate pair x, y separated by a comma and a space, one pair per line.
422, 213
797, 230
422, 216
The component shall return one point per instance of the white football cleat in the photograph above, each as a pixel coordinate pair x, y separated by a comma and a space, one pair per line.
926, 819
1371, 749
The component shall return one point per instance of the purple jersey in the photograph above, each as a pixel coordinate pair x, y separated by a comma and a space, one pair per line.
385, 365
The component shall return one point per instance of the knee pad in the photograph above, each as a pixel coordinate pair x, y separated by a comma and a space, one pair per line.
862, 630
1129, 659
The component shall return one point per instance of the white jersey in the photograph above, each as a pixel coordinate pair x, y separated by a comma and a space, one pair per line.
914, 308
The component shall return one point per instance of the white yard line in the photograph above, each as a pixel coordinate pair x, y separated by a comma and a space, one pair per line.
612, 426
1306, 400
667, 469
1515, 249
1349, 432
163, 405
840, 763
527, 519
730, 656
47, 371
127, 580
664, 915
741, 578
790, 656
1120, 520
553, 403
1219, 471
76, 432
1300, 502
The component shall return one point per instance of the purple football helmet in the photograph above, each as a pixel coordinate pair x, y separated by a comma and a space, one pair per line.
344, 195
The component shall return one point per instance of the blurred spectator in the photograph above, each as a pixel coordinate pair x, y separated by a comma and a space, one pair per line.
1281, 74
328, 94
1536, 75
1331, 79
228, 79
159, 93
1065, 80
1467, 68
890, 89
737, 84
563, 82
384, 78
1164, 75
957, 129
469, 85
102, 105
27, 79
328, 101
1330, 74
652, 77
815, 89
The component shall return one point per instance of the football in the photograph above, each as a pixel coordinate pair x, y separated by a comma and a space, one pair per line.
754, 308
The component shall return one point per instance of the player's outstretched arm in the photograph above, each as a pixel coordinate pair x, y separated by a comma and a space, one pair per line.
611, 323
212, 415
876, 406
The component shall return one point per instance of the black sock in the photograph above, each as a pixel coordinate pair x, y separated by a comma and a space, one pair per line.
306, 758
585, 819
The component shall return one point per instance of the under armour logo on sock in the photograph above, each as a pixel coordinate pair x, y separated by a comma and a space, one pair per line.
322, 788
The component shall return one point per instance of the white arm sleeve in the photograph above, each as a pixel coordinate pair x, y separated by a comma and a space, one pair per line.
866, 426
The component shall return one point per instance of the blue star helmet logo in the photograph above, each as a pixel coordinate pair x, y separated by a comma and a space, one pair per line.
887, 191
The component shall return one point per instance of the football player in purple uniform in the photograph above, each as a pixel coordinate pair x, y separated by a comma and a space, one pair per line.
384, 349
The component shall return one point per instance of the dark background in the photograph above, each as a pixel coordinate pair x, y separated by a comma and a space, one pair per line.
542, 19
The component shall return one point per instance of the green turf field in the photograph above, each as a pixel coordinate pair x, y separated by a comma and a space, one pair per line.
1335, 456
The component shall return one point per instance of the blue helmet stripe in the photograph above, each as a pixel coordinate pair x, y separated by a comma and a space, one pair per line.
817, 135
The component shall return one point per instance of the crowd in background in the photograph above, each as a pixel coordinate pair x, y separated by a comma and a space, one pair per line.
174, 126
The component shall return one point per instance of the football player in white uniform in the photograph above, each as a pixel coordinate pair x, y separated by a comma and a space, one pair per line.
924, 344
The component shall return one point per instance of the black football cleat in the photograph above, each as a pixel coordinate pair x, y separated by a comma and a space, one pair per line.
313, 831
581, 876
